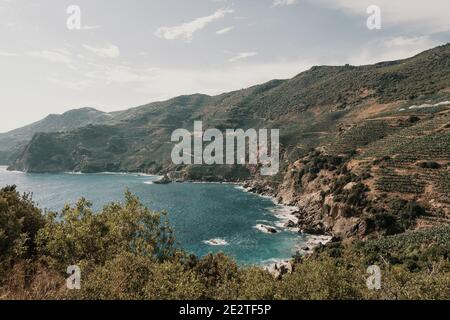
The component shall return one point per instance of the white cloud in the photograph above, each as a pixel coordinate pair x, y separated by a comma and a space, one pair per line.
126, 74
224, 30
283, 3
8, 54
186, 31
59, 56
414, 14
109, 51
392, 49
242, 55
165, 83
72, 85
86, 27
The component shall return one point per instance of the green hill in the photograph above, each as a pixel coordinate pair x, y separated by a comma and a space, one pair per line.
13, 141
355, 142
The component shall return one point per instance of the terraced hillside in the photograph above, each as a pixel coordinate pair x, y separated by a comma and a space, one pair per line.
384, 175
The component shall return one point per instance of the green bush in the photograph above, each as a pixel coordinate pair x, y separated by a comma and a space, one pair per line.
126, 251
78, 235
20, 222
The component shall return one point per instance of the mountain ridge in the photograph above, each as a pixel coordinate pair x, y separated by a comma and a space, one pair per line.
364, 150
279, 89
12, 141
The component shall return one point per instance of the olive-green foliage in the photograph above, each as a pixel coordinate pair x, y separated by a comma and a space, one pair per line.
20, 221
324, 278
126, 251
78, 235
133, 276
422, 247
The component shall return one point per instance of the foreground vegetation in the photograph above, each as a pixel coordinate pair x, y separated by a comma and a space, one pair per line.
127, 251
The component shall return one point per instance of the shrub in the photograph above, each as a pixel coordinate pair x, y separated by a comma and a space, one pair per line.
429, 165
78, 235
410, 213
127, 252
20, 221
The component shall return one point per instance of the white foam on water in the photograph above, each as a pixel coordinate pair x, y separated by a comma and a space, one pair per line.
216, 242
283, 213
264, 228
5, 169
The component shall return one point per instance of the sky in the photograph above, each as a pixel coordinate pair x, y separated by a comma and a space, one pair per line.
117, 54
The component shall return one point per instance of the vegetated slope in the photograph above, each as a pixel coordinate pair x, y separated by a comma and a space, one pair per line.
365, 150
13, 141
126, 251
384, 175
307, 108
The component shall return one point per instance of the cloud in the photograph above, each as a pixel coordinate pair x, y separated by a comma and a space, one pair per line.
283, 3
8, 54
186, 31
86, 27
392, 49
72, 85
164, 83
224, 30
242, 55
413, 14
110, 51
58, 56
126, 74
151, 84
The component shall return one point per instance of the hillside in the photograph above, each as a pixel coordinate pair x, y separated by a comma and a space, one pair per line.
128, 252
365, 150
13, 141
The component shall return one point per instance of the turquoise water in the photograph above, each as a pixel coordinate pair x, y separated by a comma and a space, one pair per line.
198, 212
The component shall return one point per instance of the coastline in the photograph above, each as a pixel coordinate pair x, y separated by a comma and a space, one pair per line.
287, 220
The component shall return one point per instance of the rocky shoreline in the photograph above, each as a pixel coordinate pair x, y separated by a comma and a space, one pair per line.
299, 219
290, 216
281, 267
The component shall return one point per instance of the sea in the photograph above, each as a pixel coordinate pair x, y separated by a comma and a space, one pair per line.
206, 217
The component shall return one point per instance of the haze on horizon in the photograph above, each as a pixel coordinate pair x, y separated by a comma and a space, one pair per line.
131, 53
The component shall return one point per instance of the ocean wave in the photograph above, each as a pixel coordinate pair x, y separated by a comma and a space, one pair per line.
241, 188
148, 182
133, 174
286, 217
284, 213
216, 242
5, 169
266, 229
210, 182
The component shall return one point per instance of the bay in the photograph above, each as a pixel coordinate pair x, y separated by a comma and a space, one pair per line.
206, 217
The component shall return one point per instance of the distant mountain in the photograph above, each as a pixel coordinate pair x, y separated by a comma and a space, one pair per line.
364, 149
13, 141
